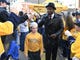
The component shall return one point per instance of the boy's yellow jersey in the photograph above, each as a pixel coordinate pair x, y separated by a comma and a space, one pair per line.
33, 43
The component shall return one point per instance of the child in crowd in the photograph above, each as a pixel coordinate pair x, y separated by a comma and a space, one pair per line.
34, 43
75, 43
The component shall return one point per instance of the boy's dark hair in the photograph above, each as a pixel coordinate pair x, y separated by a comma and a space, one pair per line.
21, 13
73, 14
25, 16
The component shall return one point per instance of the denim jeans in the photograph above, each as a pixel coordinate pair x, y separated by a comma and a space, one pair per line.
22, 39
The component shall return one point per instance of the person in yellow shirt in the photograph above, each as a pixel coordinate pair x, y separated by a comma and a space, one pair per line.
6, 28
75, 46
33, 43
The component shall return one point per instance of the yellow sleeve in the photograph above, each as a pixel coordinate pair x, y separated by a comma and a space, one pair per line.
6, 28
75, 47
77, 54
26, 46
41, 45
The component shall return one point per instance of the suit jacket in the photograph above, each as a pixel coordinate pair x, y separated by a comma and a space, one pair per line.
52, 26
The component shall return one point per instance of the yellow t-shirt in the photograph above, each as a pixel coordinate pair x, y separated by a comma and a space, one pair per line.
33, 43
75, 47
6, 28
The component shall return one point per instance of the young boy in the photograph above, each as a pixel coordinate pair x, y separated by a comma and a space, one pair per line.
33, 43
75, 46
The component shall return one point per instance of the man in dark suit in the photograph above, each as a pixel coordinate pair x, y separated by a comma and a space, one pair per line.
53, 29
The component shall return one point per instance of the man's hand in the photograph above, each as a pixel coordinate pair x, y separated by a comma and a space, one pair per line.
26, 56
41, 55
53, 36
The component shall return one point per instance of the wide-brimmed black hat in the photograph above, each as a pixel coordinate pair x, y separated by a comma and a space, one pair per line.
51, 5
4, 1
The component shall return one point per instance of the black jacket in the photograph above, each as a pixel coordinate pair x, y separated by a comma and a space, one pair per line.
52, 26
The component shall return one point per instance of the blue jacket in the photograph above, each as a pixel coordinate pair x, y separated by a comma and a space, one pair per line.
14, 19
13, 50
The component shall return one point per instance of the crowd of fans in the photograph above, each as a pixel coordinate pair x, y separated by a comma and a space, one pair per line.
39, 34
